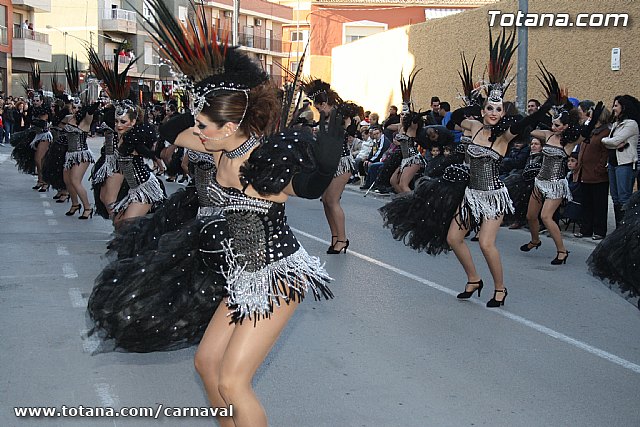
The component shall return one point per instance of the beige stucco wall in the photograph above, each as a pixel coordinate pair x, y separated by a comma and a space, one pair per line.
579, 57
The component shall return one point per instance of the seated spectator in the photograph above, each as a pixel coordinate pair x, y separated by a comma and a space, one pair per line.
429, 136
445, 112
374, 121
376, 160
391, 125
516, 157
435, 160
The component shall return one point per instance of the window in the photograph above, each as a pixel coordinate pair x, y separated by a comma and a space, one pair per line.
350, 39
299, 36
182, 14
293, 66
148, 53
146, 12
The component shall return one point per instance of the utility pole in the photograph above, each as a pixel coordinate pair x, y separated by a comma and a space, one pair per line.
236, 22
523, 54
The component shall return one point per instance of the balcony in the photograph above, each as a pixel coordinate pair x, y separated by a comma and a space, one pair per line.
118, 20
39, 6
4, 40
123, 61
261, 43
31, 44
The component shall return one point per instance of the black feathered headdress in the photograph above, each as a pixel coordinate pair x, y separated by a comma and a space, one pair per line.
316, 87
471, 90
500, 53
194, 48
405, 88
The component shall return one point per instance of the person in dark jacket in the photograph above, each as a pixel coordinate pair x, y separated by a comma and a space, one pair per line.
593, 177
516, 158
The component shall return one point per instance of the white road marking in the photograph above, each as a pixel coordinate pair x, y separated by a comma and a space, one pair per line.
68, 271
535, 326
48, 212
4, 158
52, 222
62, 250
106, 396
77, 300
46, 204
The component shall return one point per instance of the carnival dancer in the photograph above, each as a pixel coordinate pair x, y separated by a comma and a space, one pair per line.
326, 100
483, 203
78, 157
106, 179
521, 184
53, 162
43, 138
267, 272
551, 186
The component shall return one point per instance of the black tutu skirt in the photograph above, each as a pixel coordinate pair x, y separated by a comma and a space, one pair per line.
160, 300
53, 166
421, 219
617, 256
519, 191
22, 153
143, 233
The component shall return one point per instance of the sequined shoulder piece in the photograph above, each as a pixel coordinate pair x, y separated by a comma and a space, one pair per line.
197, 157
233, 199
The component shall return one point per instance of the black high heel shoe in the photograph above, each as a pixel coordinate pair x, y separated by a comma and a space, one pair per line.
73, 210
493, 302
342, 249
558, 261
530, 245
332, 244
63, 198
44, 188
468, 294
83, 216
37, 186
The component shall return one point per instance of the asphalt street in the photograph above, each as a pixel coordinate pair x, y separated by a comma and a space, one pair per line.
394, 348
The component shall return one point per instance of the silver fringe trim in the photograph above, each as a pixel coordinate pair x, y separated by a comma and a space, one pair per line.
76, 157
416, 159
254, 294
44, 136
148, 192
204, 211
486, 204
108, 168
554, 189
346, 165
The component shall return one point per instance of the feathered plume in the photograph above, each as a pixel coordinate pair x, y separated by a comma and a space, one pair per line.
116, 84
500, 54
188, 47
314, 87
26, 86
471, 91
292, 93
407, 85
56, 87
35, 77
551, 85
73, 75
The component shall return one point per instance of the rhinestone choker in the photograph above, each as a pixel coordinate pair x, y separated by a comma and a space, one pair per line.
243, 148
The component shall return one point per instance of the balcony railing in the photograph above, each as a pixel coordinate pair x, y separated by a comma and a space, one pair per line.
21, 33
3, 35
257, 42
123, 60
120, 14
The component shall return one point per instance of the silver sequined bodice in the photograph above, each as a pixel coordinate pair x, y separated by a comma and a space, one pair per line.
76, 139
257, 228
204, 172
484, 165
408, 149
134, 169
552, 163
110, 143
465, 141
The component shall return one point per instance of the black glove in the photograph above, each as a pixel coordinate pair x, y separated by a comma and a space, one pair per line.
170, 130
327, 151
519, 127
93, 108
586, 130
109, 117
